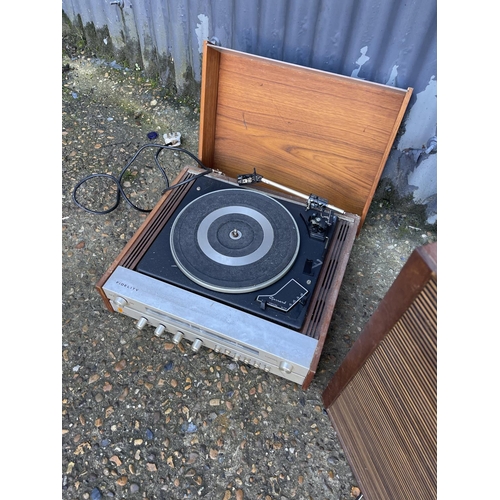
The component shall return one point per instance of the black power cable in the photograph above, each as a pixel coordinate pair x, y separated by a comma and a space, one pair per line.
118, 180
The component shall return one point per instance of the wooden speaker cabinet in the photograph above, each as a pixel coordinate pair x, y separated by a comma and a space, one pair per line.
382, 401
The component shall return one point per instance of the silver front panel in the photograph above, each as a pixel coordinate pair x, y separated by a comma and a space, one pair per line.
245, 337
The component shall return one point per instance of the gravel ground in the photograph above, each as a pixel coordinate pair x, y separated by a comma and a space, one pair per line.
143, 418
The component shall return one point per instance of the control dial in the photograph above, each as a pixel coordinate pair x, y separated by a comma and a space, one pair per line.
286, 367
177, 337
195, 346
119, 302
141, 323
159, 330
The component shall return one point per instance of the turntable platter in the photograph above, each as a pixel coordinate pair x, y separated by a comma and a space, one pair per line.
234, 240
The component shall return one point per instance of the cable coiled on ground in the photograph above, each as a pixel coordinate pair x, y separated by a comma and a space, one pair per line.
118, 180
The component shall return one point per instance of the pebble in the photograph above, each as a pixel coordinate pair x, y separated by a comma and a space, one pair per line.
120, 365
95, 494
124, 394
188, 428
122, 481
134, 487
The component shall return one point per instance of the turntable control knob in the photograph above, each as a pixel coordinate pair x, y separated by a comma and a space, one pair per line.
159, 330
119, 302
177, 337
195, 346
141, 323
286, 367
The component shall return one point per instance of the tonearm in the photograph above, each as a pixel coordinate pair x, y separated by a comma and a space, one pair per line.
313, 201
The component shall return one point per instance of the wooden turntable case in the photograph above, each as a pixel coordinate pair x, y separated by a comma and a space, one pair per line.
312, 131
382, 401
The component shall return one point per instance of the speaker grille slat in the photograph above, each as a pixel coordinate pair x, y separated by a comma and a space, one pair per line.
323, 297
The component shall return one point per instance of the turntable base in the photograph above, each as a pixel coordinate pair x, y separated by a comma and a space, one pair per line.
209, 224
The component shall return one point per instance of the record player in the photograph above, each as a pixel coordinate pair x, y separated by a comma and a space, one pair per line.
248, 259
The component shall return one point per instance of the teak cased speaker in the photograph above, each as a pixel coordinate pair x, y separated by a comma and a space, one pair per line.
382, 401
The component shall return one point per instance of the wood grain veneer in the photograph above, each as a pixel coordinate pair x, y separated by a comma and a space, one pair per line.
383, 399
313, 131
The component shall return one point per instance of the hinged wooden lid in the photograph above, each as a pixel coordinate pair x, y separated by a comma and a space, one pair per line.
313, 131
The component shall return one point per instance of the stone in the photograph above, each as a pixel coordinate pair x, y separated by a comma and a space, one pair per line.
122, 480
120, 365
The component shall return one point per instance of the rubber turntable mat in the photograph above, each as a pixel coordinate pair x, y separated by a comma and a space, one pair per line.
234, 241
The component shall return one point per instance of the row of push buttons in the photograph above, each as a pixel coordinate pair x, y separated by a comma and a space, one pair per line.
237, 357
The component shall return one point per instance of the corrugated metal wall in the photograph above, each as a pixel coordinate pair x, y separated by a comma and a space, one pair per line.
391, 42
